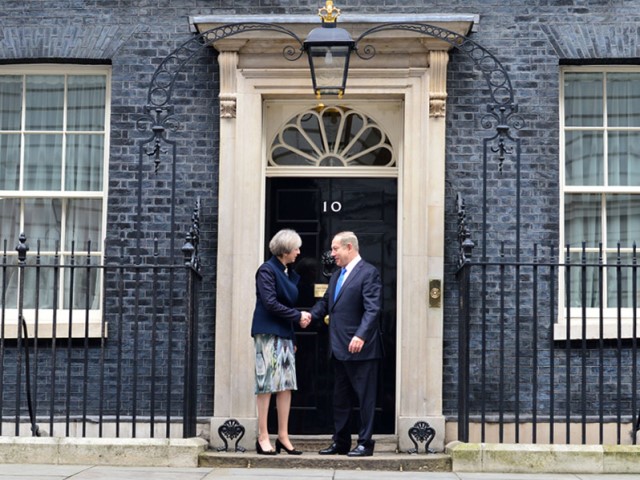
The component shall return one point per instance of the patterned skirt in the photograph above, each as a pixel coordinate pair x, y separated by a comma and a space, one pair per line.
275, 364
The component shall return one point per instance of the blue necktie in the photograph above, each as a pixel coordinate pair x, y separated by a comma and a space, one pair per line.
339, 284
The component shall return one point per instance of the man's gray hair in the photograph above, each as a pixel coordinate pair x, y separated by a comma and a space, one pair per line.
346, 238
285, 241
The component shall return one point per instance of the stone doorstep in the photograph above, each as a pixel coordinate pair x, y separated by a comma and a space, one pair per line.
385, 457
311, 443
314, 443
436, 462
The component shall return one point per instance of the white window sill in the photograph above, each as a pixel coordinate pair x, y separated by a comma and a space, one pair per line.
82, 326
592, 323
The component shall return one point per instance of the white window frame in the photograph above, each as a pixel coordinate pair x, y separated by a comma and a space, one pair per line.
45, 316
610, 315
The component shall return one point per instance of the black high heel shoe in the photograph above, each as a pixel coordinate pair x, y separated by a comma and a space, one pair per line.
263, 452
280, 446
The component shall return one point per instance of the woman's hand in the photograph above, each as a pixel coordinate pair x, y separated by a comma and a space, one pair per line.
305, 319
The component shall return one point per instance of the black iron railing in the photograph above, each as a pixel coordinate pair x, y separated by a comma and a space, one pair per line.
547, 346
120, 363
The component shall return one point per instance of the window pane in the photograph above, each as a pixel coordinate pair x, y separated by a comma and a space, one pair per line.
332, 137
9, 221
86, 286
582, 219
623, 220
620, 280
584, 280
624, 158
340, 128
42, 221
584, 156
9, 278
86, 102
284, 156
583, 105
45, 102
369, 146
42, 162
9, 162
305, 136
10, 102
85, 155
623, 99
41, 281
84, 223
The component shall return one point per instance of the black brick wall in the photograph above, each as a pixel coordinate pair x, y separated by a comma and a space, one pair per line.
529, 37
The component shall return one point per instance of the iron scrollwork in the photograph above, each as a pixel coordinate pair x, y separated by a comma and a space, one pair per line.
465, 243
159, 120
231, 429
159, 116
503, 117
502, 110
192, 241
164, 78
422, 432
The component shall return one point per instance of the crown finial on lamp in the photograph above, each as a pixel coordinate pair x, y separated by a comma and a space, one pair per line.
329, 13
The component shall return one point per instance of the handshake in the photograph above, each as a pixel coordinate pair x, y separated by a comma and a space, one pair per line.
305, 319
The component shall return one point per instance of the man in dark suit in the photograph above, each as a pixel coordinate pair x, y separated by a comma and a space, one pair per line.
353, 302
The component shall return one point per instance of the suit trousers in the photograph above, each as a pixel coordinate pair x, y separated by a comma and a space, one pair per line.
359, 377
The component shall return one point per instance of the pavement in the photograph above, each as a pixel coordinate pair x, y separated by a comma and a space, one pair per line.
96, 472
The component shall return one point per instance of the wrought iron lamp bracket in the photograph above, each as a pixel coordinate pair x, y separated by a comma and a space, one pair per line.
164, 78
502, 110
159, 116
159, 113
493, 71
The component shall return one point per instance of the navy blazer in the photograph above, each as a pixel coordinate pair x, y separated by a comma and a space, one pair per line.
276, 294
355, 312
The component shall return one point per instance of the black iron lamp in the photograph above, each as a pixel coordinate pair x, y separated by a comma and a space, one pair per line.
329, 48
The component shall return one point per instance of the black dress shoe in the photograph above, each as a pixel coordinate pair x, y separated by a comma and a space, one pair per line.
280, 446
261, 451
361, 451
333, 449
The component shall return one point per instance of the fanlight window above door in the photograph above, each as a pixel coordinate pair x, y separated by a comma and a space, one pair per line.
332, 137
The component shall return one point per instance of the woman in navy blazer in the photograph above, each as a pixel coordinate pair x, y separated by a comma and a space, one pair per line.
273, 335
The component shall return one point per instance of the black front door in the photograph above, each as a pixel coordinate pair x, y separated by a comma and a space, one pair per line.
318, 208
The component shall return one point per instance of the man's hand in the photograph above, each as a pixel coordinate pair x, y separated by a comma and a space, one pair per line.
356, 344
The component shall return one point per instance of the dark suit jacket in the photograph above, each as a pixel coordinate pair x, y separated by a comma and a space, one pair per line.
276, 294
356, 311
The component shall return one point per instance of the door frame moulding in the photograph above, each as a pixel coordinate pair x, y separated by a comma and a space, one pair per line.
246, 80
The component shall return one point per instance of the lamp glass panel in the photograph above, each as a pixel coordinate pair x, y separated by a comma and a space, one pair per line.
329, 66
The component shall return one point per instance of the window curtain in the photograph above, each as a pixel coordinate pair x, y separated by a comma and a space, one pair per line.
583, 222
10, 114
